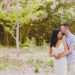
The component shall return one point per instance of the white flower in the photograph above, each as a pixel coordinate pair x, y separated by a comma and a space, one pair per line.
63, 1
23, 0
29, 5
0, 9
53, 7
5, 11
61, 11
69, 1
56, 3
5, 1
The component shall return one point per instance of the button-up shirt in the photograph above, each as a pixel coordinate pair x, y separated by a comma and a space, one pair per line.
70, 39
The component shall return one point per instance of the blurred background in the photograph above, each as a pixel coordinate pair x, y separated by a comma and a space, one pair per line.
33, 19
26, 27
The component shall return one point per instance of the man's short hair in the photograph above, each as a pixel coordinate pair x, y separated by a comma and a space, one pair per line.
66, 25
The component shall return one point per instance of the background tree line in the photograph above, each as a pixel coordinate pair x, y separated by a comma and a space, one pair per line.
27, 19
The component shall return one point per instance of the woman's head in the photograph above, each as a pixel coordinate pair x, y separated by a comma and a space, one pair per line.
56, 35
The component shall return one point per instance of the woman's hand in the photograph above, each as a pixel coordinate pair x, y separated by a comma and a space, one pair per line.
51, 55
57, 56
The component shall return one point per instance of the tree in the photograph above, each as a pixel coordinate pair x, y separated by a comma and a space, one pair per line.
16, 14
40, 16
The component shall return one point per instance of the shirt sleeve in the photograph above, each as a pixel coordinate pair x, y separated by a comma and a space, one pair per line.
73, 41
63, 38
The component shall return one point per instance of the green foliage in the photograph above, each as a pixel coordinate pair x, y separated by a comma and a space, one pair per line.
0, 47
36, 70
3, 65
36, 18
47, 70
39, 65
30, 60
50, 63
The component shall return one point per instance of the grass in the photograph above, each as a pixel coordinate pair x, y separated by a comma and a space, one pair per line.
5, 65
50, 62
6, 62
30, 60
38, 58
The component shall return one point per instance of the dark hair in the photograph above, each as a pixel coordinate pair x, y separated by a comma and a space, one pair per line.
66, 25
54, 37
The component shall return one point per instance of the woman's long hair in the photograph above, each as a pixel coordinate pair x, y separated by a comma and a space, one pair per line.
54, 38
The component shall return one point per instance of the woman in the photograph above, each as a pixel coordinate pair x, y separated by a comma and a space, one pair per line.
57, 48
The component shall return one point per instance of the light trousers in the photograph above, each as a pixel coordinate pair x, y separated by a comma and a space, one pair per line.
71, 69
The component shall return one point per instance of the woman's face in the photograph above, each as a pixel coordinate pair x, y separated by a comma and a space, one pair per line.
59, 36
63, 29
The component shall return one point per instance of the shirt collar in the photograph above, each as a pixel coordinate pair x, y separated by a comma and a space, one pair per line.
69, 34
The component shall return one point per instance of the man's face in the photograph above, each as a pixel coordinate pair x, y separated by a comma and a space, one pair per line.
63, 29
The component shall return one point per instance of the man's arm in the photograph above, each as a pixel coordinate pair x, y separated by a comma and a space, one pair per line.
72, 45
67, 52
63, 53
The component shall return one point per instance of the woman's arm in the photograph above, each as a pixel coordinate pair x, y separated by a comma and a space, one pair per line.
65, 51
50, 53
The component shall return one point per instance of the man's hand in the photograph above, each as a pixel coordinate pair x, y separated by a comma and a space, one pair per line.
57, 56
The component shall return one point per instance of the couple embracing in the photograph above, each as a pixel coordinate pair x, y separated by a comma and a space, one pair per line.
63, 50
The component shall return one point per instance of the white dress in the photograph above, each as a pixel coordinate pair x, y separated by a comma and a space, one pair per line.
60, 65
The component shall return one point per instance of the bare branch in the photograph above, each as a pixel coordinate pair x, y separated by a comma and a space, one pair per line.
21, 25
12, 35
10, 32
13, 28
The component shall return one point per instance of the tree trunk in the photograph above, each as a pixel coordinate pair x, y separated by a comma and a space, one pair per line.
17, 39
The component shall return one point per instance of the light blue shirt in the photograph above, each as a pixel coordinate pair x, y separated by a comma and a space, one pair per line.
70, 39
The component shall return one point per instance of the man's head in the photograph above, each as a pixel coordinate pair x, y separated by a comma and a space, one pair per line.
65, 28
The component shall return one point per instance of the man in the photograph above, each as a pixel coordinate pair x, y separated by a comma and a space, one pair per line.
70, 39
